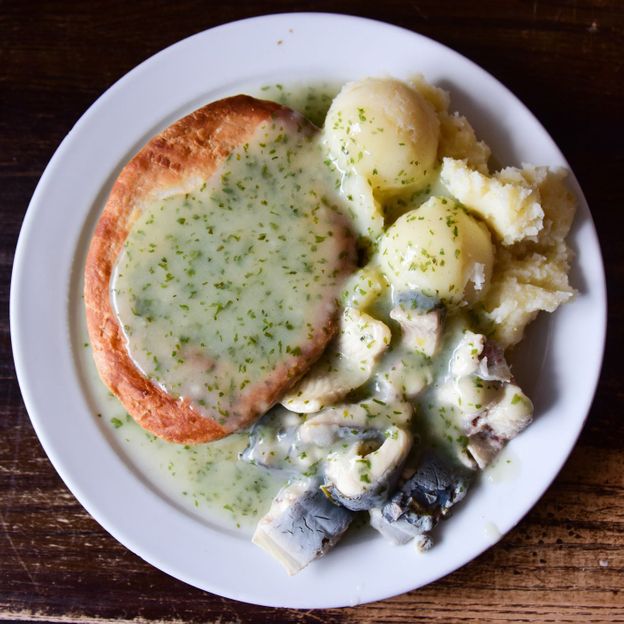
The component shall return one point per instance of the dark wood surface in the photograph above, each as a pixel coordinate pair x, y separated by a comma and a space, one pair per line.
565, 561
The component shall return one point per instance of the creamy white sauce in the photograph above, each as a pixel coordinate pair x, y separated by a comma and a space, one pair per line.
491, 532
506, 467
206, 480
215, 287
439, 421
311, 101
209, 480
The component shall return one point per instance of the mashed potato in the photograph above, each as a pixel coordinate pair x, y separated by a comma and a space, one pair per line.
397, 144
511, 207
532, 275
457, 137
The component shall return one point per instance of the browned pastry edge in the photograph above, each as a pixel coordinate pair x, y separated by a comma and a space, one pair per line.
190, 149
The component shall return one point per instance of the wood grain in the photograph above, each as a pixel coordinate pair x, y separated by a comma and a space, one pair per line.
565, 561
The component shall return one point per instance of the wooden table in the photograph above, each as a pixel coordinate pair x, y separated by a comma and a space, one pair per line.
565, 561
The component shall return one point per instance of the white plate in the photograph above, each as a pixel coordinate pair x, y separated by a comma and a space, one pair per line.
559, 363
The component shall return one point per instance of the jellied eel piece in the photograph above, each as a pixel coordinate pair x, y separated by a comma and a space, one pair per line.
422, 500
301, 525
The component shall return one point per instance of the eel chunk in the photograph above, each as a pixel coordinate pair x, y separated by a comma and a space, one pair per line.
422, 500
301, 525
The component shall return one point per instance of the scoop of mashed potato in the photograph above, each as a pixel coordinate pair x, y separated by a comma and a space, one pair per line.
440, 250
386, 132
532, 275
457, 137
509, 205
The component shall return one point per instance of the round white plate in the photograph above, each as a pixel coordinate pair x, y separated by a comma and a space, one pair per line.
558, 364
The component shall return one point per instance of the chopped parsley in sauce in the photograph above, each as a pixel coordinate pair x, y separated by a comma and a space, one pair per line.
215, 287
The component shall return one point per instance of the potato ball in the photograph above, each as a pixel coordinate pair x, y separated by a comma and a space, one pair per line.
440, 250
386, 132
